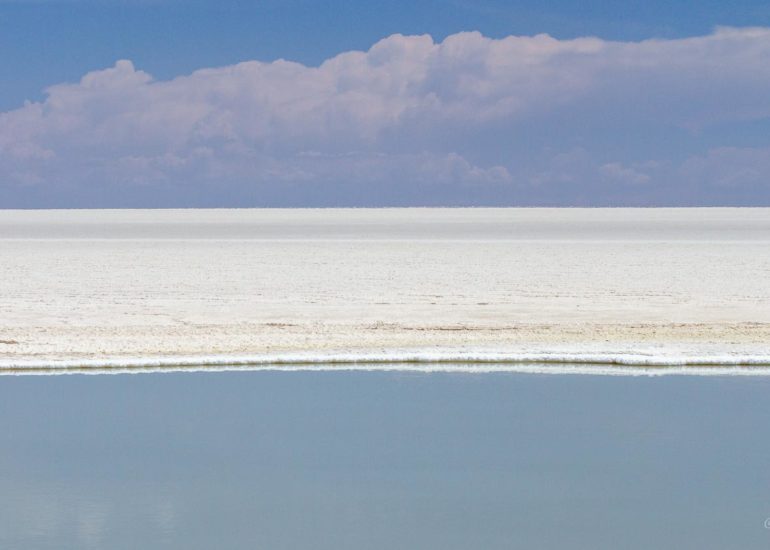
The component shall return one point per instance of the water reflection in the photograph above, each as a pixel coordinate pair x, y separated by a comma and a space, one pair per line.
382, 460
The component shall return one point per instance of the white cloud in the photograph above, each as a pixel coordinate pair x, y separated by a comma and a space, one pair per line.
730, 167
617, 172
454, 113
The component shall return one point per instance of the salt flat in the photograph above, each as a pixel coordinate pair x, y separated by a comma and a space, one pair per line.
130, 284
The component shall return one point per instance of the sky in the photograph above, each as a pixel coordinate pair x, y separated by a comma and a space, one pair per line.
164, 103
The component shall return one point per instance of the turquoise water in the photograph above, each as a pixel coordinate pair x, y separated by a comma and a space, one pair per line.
383, 460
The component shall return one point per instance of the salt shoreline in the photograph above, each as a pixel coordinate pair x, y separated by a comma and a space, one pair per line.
414, 362
679, 285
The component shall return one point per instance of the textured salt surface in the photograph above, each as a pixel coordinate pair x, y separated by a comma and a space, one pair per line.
634, 286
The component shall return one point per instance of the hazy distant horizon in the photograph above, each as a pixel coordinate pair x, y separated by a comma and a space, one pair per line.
159, 197
385, 207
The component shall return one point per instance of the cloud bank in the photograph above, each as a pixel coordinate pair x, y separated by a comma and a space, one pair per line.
470, 120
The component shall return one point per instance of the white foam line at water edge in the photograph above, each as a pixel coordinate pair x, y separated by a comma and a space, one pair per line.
539, 369
429, 361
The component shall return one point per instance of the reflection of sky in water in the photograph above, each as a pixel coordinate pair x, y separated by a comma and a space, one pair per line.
383, 460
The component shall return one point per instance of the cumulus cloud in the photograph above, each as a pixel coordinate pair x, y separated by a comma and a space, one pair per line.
459, 118
615, 171
731, 167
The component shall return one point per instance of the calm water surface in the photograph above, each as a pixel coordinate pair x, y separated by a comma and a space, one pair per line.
383, 460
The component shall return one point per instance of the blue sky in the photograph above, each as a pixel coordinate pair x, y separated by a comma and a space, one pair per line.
45, 42
563, 150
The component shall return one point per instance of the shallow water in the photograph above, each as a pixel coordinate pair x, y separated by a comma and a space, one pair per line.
383, 460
